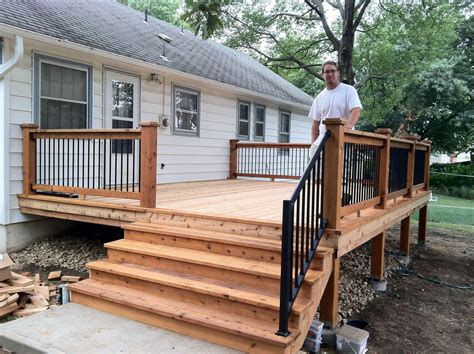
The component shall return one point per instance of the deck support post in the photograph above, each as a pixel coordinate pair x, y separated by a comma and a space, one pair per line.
233, 159
422, 221
377, 257
329, 304
149, 136
29, 157
405, 237
384, 167
333, 165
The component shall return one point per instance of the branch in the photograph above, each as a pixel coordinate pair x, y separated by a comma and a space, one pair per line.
361, 12
298, 17
246, 25
318, 8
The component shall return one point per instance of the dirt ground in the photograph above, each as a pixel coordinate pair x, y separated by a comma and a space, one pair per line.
416, 315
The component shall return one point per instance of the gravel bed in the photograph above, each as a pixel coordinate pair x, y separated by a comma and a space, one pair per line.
73, 250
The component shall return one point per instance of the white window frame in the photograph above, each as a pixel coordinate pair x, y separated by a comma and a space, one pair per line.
255, 136
1, 50
40, 59
280, 131
248, 120
186, 132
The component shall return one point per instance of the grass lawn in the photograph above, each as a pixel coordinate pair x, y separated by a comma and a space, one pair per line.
451, 212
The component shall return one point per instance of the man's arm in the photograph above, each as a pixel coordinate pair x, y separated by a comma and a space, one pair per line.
314, 130
353, 117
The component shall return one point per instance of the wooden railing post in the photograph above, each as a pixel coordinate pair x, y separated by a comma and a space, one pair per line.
411, 164
148, 142
29, 157
333, 162
427, 165
384, 166
233, 159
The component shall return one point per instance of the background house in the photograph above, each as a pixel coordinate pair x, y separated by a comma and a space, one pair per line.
101, 65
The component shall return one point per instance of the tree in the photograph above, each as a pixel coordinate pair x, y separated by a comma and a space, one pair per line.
269, 30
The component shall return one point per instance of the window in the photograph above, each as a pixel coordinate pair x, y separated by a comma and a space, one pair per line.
62, 94
284, 127
1, 50
186, 111
259, 133
244, 119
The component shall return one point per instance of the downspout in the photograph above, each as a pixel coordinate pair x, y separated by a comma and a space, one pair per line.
14, 60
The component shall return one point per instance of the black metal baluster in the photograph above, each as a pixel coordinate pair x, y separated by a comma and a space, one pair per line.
297, 239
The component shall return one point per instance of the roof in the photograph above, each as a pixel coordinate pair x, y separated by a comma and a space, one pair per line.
115, 28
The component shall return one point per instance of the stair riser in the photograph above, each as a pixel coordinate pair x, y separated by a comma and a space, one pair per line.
238, 278
191, 329
189, 296
207, 246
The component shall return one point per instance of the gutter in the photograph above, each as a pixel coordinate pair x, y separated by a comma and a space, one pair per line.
15, 60
154, 67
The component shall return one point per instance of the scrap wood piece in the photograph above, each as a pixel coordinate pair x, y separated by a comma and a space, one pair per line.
25, 274
28, 312
37, 278
38, 300
42, 290
8, 309
9, 300
70, 278
16, 289
19, 280
54, 275
4, 296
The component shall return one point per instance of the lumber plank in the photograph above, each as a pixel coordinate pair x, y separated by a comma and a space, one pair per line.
54, 275
70, 278
11, 299
19, 280
16, 289
8, 309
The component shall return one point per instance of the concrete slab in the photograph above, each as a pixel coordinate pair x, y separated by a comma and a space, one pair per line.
74, 328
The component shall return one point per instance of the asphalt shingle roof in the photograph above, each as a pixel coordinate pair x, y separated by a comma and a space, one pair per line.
115, 28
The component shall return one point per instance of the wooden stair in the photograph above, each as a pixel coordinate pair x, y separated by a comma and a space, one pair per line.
220, 287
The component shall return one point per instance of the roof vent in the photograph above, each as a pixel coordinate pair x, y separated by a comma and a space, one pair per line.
165, 37
146, 16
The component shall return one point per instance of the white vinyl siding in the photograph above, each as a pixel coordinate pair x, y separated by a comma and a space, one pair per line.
243, 123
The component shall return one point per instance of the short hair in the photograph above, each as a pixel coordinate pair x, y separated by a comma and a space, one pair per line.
329, 62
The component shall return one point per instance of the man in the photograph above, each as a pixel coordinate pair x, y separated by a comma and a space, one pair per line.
337, 100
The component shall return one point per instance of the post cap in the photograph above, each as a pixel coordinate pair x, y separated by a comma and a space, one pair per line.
149, 124
412, 137
29, 125
384, 131
427, 141
335, 121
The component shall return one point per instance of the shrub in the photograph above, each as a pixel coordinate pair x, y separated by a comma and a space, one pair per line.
451, 179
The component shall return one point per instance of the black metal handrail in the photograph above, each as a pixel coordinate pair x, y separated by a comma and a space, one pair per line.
302, 228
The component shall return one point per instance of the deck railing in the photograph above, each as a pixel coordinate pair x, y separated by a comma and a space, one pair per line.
268, 160
117, 163
302, 228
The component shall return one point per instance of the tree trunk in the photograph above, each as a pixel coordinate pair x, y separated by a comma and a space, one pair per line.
344, 57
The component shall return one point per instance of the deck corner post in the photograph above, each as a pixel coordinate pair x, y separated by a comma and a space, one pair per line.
148, 162
233, 159
427, 165
384, 166
422, 222
377, 257
29, 156
411, 164
405, 232
333, 165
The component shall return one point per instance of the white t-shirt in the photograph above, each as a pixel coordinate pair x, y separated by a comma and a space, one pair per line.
335, 103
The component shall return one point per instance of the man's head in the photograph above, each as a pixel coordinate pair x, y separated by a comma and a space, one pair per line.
331, 74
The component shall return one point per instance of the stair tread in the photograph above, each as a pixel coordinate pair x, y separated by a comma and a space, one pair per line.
208, 235
178, 310
260, 268
195, 284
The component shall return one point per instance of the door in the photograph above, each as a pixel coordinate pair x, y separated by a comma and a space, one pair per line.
122, 98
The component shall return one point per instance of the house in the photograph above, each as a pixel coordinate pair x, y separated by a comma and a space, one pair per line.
103, 65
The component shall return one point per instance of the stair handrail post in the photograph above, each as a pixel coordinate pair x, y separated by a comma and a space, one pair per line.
411, 163
233, 159
29, 157
384, 166
148, 162
333, 165
286, 268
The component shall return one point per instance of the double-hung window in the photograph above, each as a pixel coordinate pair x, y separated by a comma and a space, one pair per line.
1, 50
284, 127
244, 120
186, 111
62, 94
259, 133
